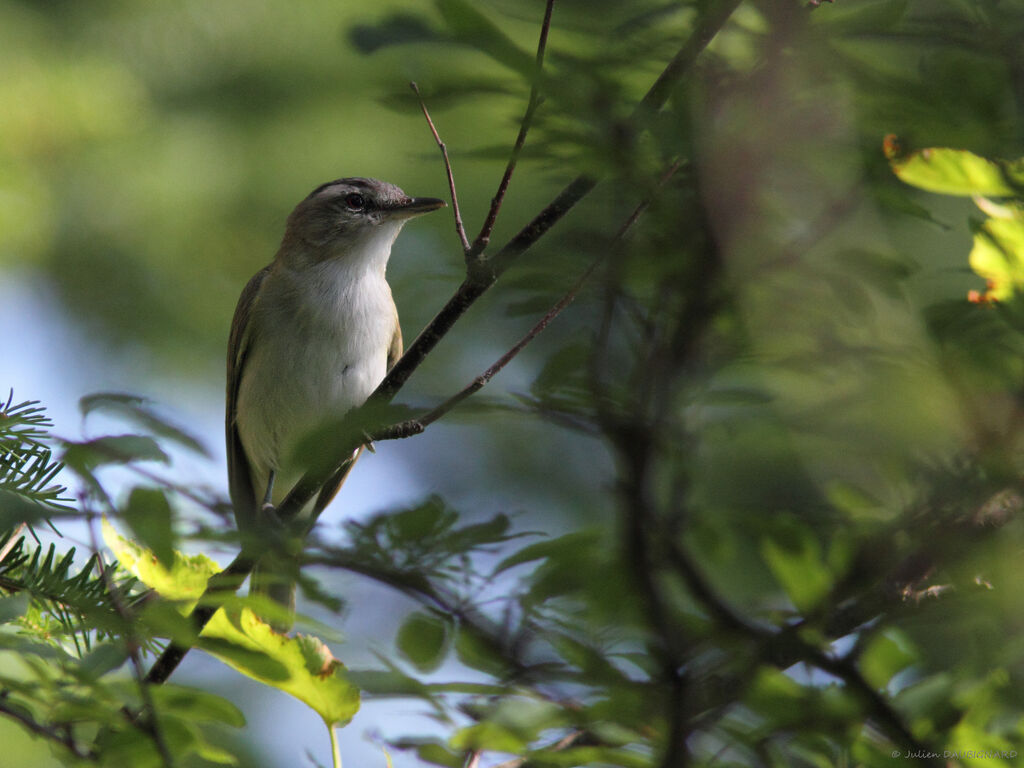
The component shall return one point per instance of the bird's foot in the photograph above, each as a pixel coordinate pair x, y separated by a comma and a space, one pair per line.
368, 442
269, 514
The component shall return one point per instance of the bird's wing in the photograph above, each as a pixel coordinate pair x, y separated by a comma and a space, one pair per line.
395, 350
243, 497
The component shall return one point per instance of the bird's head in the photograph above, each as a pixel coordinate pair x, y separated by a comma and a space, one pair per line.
351, 216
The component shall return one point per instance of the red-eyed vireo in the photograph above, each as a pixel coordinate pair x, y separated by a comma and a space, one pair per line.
313, 335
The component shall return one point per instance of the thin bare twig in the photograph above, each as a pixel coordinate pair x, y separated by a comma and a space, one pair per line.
460, 230
484, 238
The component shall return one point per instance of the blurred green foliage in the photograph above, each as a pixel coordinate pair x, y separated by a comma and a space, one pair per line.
769, 461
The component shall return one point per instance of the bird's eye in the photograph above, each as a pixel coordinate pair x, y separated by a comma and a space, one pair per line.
355, 201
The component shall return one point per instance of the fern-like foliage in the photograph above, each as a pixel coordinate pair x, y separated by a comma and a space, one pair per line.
27, 467
65, 604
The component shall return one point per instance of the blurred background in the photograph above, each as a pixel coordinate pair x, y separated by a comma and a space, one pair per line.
150, 153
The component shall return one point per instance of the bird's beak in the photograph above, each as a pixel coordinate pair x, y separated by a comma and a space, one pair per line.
416, 206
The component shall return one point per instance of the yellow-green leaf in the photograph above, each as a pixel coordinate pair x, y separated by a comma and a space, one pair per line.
313, 676
998, 256
148, 514
887, 654
956, 171
185, 580
423, 640
487, 736
794, 556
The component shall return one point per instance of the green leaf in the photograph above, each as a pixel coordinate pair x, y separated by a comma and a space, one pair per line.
196, 704
387, 682
166, 619
15, 509
565, 368
472, 28
135, 747
313, 675
148, 514
793, 554
957, 171
492, 531
251, 662
435, 753
998, 256
115, 449
569, 543
184, 580
888, 653
487, 736
214, 754
870, 16
140, 411
574, 756
104, 658
526, 718
319, 449
397, 29
475, 651
777, 696
423, 640
13, 607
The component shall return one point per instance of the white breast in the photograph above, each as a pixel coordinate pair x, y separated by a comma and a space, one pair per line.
320, 339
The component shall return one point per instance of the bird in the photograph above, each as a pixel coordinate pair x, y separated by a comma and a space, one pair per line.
313, 334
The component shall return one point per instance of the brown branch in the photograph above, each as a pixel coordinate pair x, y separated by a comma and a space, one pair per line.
460, 230
484, 238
